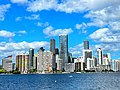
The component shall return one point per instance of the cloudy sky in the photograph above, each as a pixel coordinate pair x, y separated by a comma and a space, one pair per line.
28, 24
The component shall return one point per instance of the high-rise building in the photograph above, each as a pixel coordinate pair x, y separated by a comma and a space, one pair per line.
52, 45
116, 65
22, 63
35, 61
86, 44
99, 52
31, 58
63, 42
90, 64
52, 49
7, 63
59, 64
87, 53
44, 61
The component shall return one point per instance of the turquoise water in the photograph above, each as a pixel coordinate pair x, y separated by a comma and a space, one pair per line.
85, 81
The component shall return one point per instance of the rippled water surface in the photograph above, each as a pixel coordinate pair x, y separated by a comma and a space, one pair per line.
85, 81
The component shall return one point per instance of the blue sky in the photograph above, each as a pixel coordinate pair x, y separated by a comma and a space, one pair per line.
28, 24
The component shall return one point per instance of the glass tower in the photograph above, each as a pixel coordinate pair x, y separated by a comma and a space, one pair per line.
63, 42
52, 49
31, 57
86, 44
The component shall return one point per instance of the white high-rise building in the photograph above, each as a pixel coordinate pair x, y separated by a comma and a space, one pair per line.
44, 61
116, 65
99, 52
90, 63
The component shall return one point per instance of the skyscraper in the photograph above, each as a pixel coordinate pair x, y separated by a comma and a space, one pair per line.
31, 58
63, 41
87, 54
99, 52
52, 45
44, 61
86, 44
52, 49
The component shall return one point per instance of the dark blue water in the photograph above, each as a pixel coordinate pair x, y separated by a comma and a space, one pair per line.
85, 81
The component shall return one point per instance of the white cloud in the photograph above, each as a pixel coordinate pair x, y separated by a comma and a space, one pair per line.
106, 35
50, 31
22, 45
40, 24
76, 50
100, 33
3, 10
33, 17
82, 27
18, 19
39, 5
19, 1
6, 34
70, 6
22, 32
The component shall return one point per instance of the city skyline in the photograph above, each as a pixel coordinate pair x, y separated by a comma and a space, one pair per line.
28, 24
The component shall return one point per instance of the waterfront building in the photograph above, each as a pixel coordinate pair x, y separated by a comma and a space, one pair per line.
99, 52
52, 49
86, 44
63, 42
69, 67
13, 66
22, 63
87, 53
7, 63
59, 64
44, 61
35, 61
79, 64
31, 58
116, 65
90, 64
69, 57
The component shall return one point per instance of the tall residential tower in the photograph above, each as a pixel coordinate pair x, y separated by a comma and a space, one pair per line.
52, 49
31, 58
63, 42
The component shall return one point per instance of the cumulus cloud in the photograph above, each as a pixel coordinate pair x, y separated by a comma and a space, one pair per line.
20, 47
18, 19
3, 10
19, 1
82, 27
33, 17
76, 50
50, 31
105, 35
39, 5
6, 34
22, 32
70, 6
40, 24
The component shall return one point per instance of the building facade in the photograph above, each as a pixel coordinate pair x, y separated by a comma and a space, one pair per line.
44, 61
87, 53
7, 63
22, 63
63, 42
86, 44
31, 58
53, 50
99, 52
